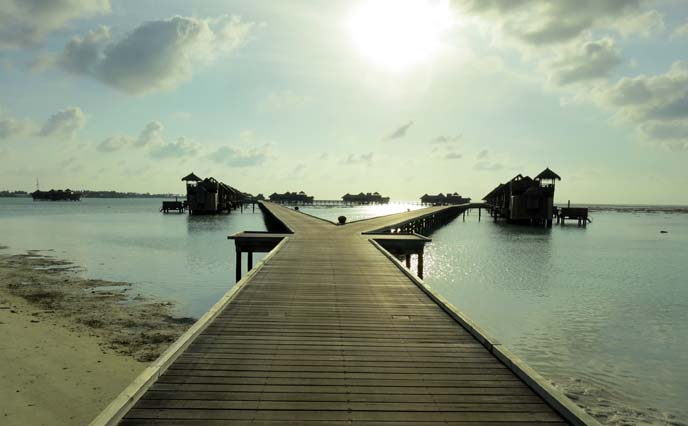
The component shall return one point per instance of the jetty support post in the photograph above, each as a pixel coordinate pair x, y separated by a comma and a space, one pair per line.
403, 247
253, 242
238, 262
420, 264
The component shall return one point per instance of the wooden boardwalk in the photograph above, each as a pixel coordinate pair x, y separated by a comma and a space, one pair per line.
329, 331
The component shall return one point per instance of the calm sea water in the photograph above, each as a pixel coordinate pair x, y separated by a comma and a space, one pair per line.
601, 311
175, 257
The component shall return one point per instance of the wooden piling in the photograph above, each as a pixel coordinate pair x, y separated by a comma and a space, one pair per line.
238, 265
420, 265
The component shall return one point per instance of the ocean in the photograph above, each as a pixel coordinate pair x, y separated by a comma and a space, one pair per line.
601, 311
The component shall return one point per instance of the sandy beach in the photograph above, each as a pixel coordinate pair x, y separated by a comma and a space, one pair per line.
69, 345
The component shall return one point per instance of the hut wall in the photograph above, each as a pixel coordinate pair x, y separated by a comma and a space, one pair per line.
518, 208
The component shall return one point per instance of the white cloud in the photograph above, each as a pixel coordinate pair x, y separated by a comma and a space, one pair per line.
452, 155
182, 115
115, 143
152, 139
240, 157
656, 104
446, 139
64, 124
399, 132
547, 22
28, 22
284, 101
484, 163
353, 159
151, 134
299, 171
157, 55
669, 134
592, 60
557, 37
647, 97
11, 127
487, 166
681, 31
643, 24
83, 54
180, 148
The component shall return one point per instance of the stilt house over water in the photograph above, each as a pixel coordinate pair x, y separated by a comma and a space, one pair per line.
441, 199
208, 196
291, 198
525, 200
361, 198
56, 195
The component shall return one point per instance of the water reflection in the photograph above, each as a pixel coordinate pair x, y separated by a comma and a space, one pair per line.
596, 309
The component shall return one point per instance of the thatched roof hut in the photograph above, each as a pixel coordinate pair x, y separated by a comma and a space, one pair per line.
191, 177
547, 174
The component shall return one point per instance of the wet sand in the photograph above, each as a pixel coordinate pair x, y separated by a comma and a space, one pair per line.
69, 345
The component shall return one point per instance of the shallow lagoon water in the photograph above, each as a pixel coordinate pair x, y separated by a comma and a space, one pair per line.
176, 257
601, 311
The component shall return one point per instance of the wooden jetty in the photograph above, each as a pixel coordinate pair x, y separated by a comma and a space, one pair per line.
175, 205
579, 214
332, 329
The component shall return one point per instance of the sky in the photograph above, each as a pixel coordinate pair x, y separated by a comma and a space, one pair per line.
403, 97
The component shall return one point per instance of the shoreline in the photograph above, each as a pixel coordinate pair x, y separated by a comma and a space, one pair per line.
70, 345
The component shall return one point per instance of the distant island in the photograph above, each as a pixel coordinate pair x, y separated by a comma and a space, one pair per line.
8, 194
96, 194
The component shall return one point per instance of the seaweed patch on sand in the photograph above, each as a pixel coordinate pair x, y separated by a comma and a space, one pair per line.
138, 327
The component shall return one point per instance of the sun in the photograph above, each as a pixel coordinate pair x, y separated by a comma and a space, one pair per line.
398, 34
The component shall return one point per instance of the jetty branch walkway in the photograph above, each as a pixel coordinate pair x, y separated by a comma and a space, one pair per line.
332, 329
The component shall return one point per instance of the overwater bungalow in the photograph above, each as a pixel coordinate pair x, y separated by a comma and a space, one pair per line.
441, 199
361, 198
291, 198
209, 196
524, 199
56, 195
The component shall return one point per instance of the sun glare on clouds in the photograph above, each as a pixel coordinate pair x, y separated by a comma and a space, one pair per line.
397, 35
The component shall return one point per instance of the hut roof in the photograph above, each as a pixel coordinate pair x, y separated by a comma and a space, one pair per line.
548, 174
191, 177
494, 191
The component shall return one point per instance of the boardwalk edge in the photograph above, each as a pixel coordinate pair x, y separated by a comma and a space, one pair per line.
116, 410
554, 397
